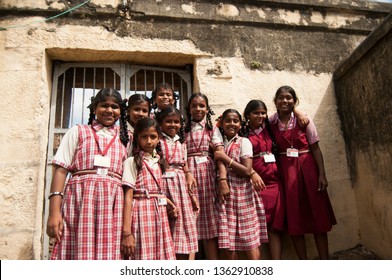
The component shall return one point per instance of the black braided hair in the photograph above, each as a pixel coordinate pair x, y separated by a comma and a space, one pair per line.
224, 115
101, 96
188, 112
169, 111
140, 126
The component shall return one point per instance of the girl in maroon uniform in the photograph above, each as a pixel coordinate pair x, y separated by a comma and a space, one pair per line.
301, 164
258, 131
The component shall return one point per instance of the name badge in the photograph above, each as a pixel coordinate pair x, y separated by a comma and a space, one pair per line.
291, 152
101, 161
102, 171
162, 201
201, 159
169, 174
269, 158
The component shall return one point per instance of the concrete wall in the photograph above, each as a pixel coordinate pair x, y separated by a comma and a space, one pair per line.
363, 88
240, 50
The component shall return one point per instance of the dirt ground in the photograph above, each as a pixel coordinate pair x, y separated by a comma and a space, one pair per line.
357, 253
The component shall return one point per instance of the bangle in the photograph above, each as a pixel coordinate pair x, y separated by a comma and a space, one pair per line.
126, 235
252, 173
222, 179
231, 162
52, 194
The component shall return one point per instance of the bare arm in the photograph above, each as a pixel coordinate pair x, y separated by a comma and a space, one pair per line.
54, 226
318, 157
223, 186
128, 240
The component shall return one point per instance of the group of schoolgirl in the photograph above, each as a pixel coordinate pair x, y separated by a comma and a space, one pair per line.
157, 186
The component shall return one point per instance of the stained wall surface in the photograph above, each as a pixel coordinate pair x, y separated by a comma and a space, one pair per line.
363, 88
240, 50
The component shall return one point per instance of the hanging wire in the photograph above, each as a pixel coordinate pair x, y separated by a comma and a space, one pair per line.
46, 19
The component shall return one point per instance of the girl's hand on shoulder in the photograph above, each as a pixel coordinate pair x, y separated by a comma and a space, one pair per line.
223, 190
323, 183
128, 244
55, 226
257, 182
302, 119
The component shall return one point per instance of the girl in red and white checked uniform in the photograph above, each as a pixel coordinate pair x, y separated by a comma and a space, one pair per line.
201, 140
88, 224
146, 230
239, 226
139, 107
179, 183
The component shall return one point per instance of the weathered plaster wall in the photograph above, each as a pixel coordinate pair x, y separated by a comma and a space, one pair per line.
363, 89
240, 50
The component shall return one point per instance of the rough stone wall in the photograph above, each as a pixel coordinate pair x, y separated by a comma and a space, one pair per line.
240, 50
363, 88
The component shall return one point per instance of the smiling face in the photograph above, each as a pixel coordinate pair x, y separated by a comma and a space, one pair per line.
285, 102
148, 139
231, 124
164, 98
198, 108
257, 118
137, 112
171, 124
107, 112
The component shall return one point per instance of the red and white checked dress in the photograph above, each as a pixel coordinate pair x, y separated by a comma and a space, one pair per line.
92, 207
150, 225
272, 196
183, 228
308, 210
205, 174
239, 227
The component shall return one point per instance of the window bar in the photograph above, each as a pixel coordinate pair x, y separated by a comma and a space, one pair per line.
145, 82
104, 77
155, 79
62, 101
135, 91
94, 78
114, 81
72, 97
84, 92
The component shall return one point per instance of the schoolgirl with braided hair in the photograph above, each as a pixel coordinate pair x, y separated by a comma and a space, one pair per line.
139, 107
146, 203
202, 140
93, 155
179, 183
241, 231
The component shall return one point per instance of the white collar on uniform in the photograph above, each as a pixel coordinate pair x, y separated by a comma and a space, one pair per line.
170, 139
